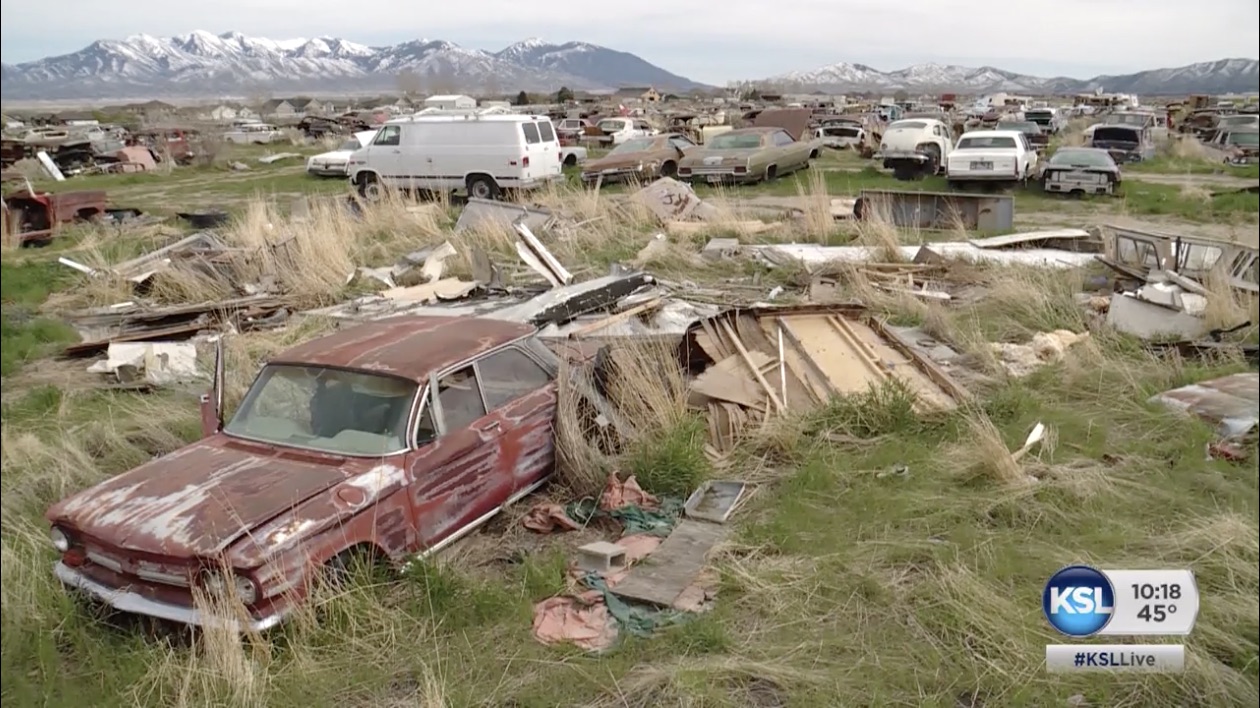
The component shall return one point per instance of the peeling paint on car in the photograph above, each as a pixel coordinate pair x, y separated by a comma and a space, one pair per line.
272, 512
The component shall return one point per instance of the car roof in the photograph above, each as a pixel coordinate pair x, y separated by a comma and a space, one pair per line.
994, 133
753, 129
412, 347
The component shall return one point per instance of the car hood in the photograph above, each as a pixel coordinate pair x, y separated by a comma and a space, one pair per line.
194, 502
333, 156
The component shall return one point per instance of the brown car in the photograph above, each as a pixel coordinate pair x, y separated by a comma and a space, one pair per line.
643, 159
745, 156
390, 439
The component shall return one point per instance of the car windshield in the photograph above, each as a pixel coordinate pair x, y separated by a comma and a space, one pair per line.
635, 145
1030, 128
1239, 120
330, 410
351, 145
908, 125
1243, 139
611, 126
983, 142
1081, 158
732, 141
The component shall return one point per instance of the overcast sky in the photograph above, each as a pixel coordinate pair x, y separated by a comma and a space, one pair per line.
708, 42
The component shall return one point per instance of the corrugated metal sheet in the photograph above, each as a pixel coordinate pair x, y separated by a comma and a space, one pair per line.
1231, 402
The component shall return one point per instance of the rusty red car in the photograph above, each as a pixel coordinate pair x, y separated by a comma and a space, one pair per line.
393, 438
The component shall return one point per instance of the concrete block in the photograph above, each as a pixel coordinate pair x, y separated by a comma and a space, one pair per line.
719, 248
601, 557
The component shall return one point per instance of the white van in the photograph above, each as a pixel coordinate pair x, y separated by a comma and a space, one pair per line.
483, 153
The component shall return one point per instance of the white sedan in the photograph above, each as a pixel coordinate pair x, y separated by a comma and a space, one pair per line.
336, 162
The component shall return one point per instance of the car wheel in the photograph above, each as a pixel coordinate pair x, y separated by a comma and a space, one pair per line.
370, 188
482, 187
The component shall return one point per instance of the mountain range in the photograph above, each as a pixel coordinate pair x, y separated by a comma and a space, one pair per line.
203, 65
1214, 77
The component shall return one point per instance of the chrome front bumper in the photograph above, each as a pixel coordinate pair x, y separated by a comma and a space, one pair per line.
134, 603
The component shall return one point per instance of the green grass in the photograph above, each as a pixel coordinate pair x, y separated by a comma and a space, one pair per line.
24, 334
1180, 166
844, 584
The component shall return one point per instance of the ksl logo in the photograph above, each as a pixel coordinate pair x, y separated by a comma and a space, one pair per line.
1078, 601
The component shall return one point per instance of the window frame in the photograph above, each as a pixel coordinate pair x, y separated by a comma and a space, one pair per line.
428, 395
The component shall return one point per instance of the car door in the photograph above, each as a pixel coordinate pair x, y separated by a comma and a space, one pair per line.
385, 153
522, 393
791, 153
455, 464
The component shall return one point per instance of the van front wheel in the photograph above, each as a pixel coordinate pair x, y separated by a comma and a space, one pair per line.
481, 187
370, 188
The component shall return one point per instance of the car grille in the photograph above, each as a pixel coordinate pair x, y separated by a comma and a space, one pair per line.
140, 569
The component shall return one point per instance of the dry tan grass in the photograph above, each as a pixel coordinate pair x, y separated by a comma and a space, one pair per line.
646, 389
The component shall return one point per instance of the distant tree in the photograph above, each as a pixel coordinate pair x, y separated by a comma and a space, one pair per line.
410, 83
564, 95
522, 99
901, 96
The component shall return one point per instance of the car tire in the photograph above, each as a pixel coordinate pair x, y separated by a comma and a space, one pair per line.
371, 189
482, 187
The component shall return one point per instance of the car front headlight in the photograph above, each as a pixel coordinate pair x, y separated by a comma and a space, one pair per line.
60, 540
241, 588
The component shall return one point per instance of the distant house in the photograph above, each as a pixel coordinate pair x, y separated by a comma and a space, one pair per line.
642, 94
149, 110
307, 106
77, 118
275, 107
450, 102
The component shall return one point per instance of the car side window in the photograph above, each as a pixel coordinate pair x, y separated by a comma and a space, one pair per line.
531, 132
509, 374
936, 130
460, 397
390, 135
782, 138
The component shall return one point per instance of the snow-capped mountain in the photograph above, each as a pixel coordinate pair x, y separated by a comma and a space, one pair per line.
1224, 76
202, 63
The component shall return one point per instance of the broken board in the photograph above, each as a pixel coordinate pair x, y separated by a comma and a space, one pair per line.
673, 567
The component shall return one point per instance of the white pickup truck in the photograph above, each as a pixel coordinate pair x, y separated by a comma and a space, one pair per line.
991, 156
619, 130
915, 147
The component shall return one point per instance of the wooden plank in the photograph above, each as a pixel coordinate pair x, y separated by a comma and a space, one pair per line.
614, 319
674, 566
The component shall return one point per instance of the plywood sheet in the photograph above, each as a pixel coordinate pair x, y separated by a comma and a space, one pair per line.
674, 566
